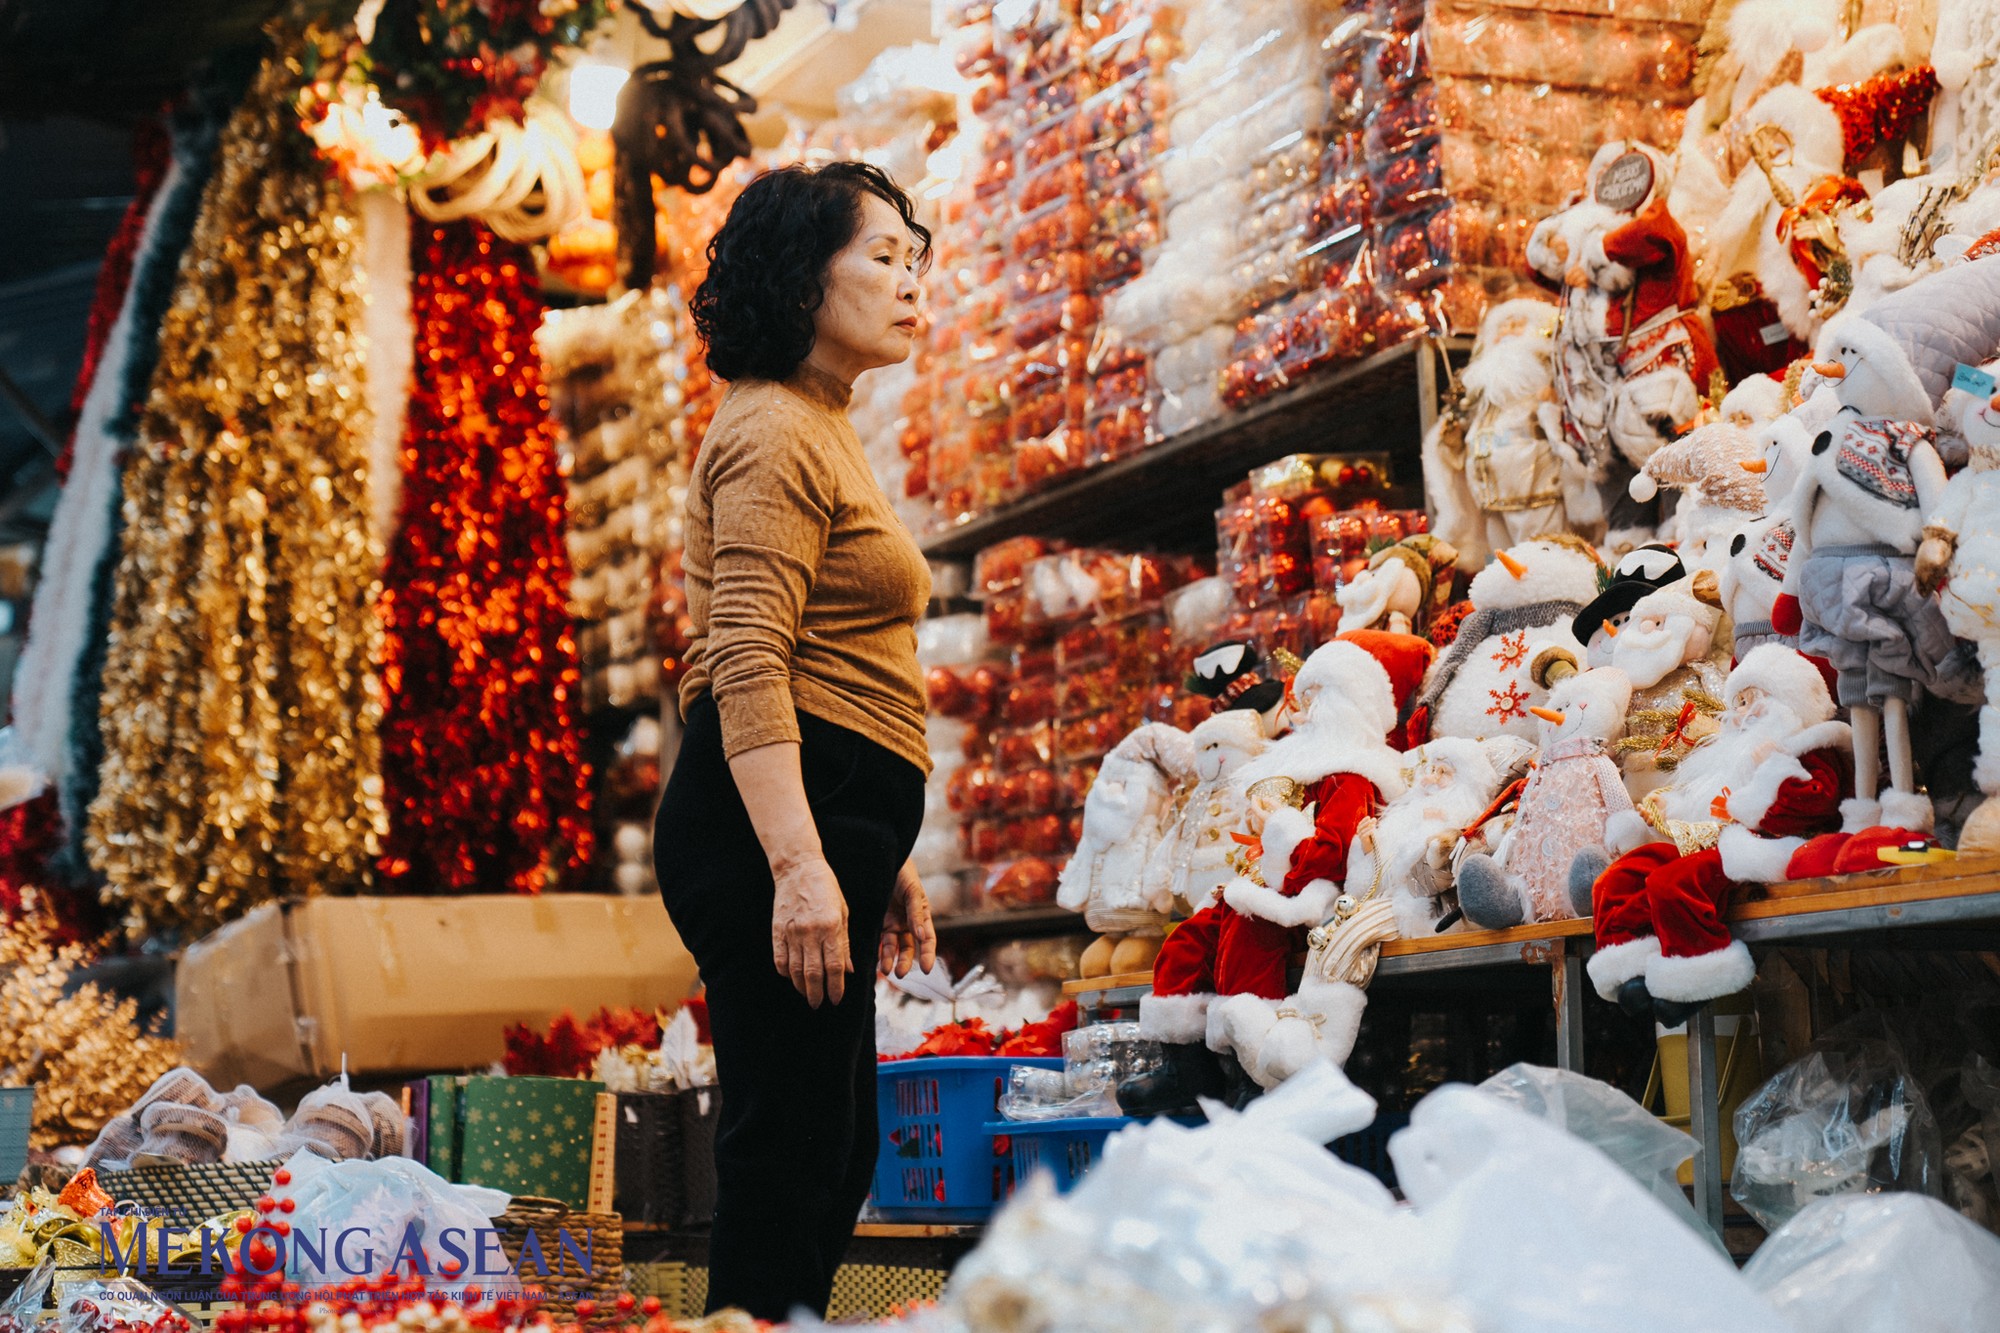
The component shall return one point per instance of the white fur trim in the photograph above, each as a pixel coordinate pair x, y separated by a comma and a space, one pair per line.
79, 536
1284, 829
1615, 964
1625, 830
1707, 976
1177, 1019
1749, 803
1308, 908
1315, 752
1755, 860
1338, 1007
1910, 810
1857, 814
1351, 673
1786, 675
1237, 1024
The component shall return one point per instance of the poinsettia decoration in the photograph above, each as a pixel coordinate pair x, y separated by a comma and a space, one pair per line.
971, 1036
569, 1049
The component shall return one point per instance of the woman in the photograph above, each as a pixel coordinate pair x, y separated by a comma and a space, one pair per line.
783, 837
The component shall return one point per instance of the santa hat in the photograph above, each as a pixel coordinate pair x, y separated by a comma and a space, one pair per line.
1786, 675
1710, 458
1405, 658
1348, 671
1923, 332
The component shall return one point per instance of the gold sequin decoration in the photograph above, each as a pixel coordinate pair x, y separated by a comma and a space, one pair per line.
240, 705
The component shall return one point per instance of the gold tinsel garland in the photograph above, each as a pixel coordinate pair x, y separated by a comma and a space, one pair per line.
84, 1055
240, 704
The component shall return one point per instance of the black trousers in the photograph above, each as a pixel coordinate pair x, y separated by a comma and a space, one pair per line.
796, 1139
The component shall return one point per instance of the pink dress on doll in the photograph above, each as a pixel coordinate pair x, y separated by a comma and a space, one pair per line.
1573, 790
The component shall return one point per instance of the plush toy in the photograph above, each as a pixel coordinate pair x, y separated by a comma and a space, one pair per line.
1633, 358
1401, 588
1221, 974
1961, 552
1523, 604
1570, 795
1495, 462
1643, 570
1191, 862
1124, 817
1452, 782
1668, 649
1740, 807
1857, 512
1752, 577
1717, 493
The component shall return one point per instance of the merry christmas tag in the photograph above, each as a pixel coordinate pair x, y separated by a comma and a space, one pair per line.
1972, 380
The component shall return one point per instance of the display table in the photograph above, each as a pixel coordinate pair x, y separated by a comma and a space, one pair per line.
1953, 904
888, 1266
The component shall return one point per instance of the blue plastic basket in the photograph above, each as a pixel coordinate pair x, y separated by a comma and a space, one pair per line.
17, 1116
1064, 1148
937, 1161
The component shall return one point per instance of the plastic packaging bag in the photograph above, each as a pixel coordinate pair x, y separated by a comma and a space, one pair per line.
22, 1310
1887, 1263
386, 1202
1847, 1117
118, 1305
1539, 1230
1650, 1150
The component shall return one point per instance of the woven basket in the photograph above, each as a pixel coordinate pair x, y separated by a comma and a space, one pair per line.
665, 1166
185, 1195
602, 1235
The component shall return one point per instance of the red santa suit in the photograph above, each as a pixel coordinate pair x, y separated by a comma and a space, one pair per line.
1740, 807
1347, 697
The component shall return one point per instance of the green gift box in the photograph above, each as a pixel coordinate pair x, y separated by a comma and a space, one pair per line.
441, 1124
523, 1135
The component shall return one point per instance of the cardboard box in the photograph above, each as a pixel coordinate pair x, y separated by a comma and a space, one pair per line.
400, 985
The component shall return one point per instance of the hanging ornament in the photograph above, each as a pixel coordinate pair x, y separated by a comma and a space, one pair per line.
240, 707
481, 756
521, 180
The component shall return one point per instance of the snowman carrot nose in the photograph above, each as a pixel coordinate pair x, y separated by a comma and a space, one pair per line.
1548, 715
1994, 401
1510, 564
1830, 370
1610, 630
1759, 465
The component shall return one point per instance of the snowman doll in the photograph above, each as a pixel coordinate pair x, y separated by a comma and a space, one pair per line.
1522, 607
1959, 562
1858, 513
1124, 817
1573, 792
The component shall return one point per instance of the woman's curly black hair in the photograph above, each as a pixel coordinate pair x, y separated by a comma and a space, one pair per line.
767, 264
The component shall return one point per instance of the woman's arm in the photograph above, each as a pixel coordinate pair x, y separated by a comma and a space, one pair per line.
809, 914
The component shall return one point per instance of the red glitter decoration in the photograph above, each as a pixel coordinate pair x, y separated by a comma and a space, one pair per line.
569, 1049
482, 763
151, 152
1880, 110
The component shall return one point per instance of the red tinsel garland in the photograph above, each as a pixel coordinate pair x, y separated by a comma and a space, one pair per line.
482, 762
151, 151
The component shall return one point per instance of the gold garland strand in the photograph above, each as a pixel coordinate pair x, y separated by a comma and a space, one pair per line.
240, 704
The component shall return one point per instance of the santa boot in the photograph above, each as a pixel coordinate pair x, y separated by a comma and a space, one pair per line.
1910, 811
1486, 896
1188, 1072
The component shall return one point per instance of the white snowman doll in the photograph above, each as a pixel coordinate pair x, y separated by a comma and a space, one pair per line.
1960, 562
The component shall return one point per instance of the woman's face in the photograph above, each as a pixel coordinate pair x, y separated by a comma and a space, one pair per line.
870, 314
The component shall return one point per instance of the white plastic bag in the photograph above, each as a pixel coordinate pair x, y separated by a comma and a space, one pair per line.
380, 1208
1880, 1263
1540, 1232
1650, 1150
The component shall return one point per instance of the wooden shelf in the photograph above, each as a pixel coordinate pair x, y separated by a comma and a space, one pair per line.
1012, 921
1167, 496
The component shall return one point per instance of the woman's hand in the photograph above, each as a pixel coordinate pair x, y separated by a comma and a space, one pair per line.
909, 939
809, 929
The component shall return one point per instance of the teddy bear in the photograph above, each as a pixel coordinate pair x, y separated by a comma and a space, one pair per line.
1574, 790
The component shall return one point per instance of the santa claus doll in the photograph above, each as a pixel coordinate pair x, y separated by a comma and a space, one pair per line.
1452, 783
1633, 358
1669, 651
1125, 816
1495, 462
1306, 795
1740, 806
